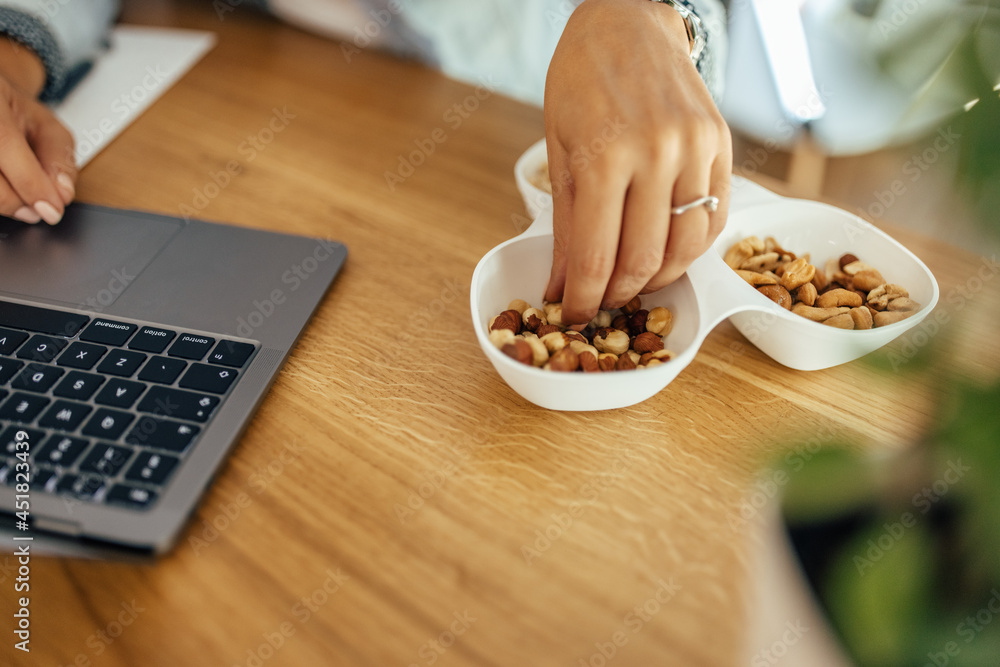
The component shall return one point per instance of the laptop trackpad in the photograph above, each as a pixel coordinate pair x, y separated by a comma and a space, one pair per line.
82, 265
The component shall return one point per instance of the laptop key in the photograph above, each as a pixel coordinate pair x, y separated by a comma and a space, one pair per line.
36, 377
152, 468
167, 402
61, 450
130, 496
41, 348
105, 459
190, 346
41, 477
9, 443
120, 393
22, 407
163, 370
41, 320
162, 434
122, 363
82, 486
230, 353
8, 367
208, 378
81, 355
108, 424
64, 415
78, 385
10, 340
108, 332
152, 339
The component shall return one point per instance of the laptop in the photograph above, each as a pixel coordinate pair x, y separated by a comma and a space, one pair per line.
134, 349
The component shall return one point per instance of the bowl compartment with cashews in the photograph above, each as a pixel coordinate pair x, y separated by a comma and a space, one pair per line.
709, 293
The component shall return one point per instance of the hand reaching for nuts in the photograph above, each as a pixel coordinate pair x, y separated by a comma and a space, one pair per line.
847, 293
613, 341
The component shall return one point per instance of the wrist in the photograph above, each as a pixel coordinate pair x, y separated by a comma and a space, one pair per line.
21, 67
693, 29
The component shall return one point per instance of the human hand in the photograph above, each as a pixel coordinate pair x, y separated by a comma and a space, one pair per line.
631, 132
37, 167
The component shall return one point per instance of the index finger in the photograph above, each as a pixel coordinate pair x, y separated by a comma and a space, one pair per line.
595, 231
21, 168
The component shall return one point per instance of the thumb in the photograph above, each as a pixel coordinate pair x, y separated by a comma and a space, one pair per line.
54, 146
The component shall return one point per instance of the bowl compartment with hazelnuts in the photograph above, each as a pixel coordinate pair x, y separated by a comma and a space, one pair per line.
707, 294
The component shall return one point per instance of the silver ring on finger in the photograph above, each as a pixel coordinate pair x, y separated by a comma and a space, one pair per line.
709, 202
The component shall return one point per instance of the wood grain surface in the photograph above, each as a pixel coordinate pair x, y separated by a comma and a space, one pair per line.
394, 502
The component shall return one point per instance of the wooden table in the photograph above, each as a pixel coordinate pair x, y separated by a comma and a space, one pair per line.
394, 502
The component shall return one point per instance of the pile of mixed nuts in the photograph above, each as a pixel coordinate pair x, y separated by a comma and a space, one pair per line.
847, 293
622, 340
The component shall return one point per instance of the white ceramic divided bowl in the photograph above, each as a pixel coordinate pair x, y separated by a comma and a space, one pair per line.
709, 293
535, 199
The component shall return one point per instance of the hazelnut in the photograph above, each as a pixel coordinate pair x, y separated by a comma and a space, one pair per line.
588, 362
519, 350
607, 361
580, 348
538, 350
637, 322
602, 319
554, 341
625, 363
546, 329
565, 360
532, 318
508, 319
576, 335
615, 342
634, 356
500, 337
634, 304
553, 313
660, 321
620, 322
520, 305
647, 342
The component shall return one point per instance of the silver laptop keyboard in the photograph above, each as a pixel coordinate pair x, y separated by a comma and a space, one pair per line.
111, 408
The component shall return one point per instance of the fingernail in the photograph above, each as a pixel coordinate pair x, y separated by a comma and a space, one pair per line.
66, 186
48, 212
26, 214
